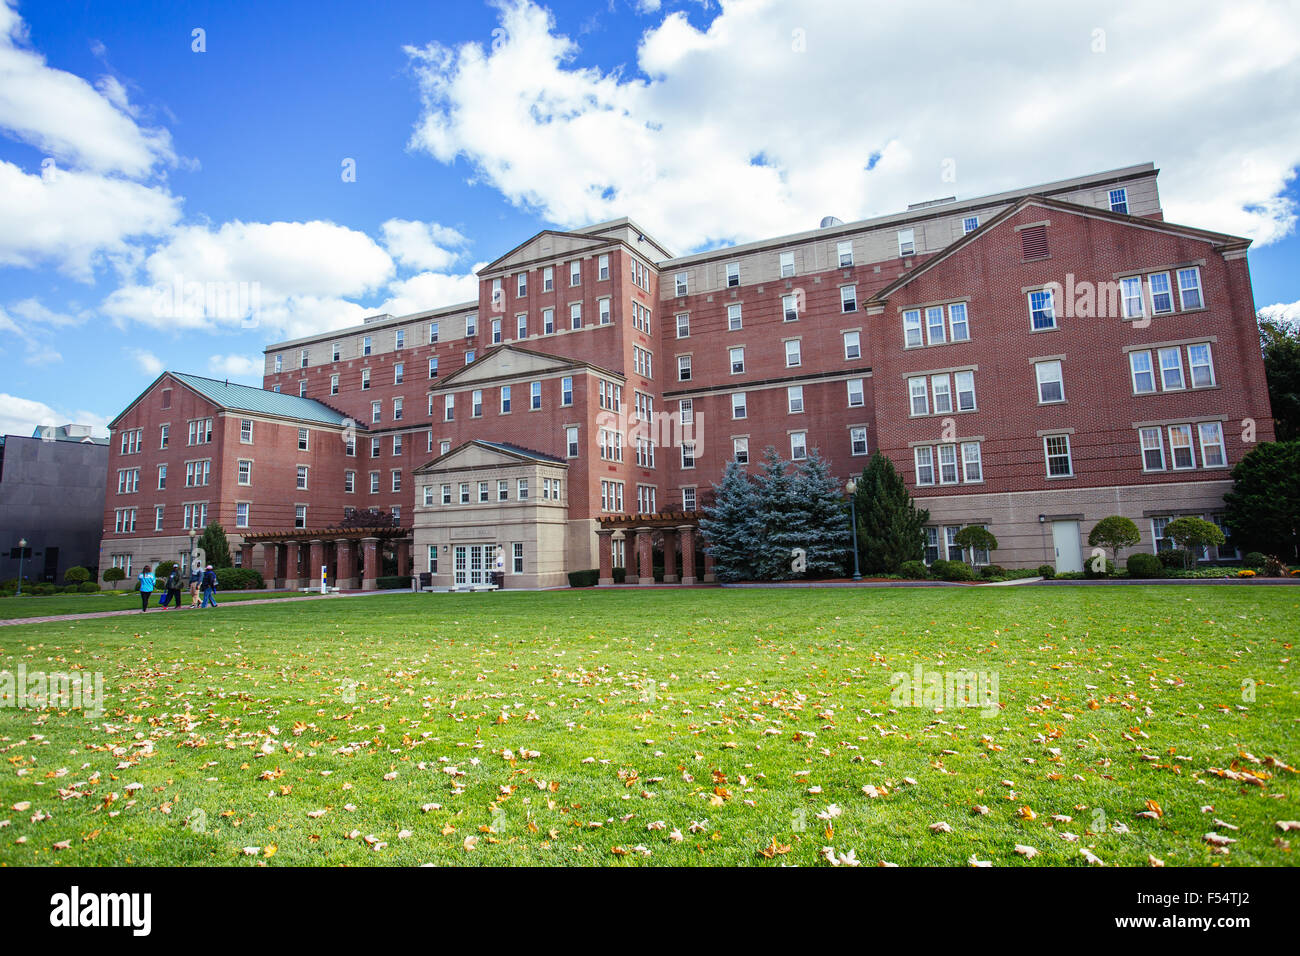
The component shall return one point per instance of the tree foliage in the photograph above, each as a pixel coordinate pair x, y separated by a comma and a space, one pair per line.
889, 523
1114, 532
368, 518
114, 574
1193, 534
1280, 343
974, 538
215, 545
1263, 507
76, 575
730, 525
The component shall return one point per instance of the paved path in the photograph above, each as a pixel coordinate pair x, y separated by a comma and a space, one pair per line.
158, 610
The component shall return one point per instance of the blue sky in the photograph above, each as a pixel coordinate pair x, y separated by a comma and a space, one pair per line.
473, 125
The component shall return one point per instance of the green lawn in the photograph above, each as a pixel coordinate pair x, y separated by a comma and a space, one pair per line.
12, 608
575, 727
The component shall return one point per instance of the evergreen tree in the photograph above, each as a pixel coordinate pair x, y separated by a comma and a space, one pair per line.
781, 518
730, 526
824, 517
889, 523
215, 546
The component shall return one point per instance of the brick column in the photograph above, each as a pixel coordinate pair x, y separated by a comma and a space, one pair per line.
246, 555
370, 564
317, 553
270, 563
605, 538
345, 570
709, 576
670, 556
686, 533
292, 576
645, 556
403, 557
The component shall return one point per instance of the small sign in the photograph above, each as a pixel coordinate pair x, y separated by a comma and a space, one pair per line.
324, 572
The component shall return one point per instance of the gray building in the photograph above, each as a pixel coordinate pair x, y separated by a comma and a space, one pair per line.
52, 494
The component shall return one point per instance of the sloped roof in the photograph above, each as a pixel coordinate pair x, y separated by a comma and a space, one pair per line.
520, 450
261, 401
510, 452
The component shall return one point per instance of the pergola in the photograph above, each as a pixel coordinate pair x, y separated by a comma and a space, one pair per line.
674, 526
341, 549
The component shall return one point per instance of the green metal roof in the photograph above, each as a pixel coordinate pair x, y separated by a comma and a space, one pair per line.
245, 398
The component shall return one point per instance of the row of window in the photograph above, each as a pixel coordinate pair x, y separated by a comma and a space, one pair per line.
551, 490
736, 357
506, 399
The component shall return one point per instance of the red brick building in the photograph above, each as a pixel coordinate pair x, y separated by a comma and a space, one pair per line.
1031, 361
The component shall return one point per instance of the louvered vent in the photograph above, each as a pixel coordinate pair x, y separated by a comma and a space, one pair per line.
1033, 242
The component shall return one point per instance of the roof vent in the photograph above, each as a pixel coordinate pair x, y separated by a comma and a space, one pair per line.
376, 318
828, 221
931, 202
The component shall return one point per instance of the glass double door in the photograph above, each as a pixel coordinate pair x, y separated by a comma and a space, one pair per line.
473, 563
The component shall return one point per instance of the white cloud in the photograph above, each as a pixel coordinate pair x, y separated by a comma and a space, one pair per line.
66, 117
37, 312
430, 290
240, 367
148, 362
422, 245
768, 119
20, 416
1287, 313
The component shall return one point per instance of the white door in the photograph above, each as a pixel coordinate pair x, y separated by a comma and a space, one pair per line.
1069, 546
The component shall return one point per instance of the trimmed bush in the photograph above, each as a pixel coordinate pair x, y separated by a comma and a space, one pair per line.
952, 571
1046, 571
390, 582
88, 587
242, 579
76, 575
584, 579
114, 574
163, 569
992, 571
1143, 565
1255, 560
1105, 572
914, 570
1176, 558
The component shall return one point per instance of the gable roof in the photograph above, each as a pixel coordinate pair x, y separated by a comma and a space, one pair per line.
245, 398
1221, 240
501, 452
496, 364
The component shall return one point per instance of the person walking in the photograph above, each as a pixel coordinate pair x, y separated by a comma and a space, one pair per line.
209, 588
196, 576
146, 588
174, 588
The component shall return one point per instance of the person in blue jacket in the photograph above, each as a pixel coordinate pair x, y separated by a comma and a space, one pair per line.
209, 588
146, 588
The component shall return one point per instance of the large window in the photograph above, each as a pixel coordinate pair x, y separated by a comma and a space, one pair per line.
1051, 387
1042, 310
1057, 450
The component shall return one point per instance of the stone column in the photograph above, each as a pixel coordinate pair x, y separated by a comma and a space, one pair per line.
686, 534
370, 564
709, 576
345, 571
670, 556
270, 563
403, 557
605, 538
645, 556
292, 576
317, 553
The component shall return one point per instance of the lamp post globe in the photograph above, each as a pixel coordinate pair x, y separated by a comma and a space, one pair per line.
22, 551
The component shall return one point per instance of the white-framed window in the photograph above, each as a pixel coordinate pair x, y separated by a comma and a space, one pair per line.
852, 346
521, 285
602, 266
858, 440
790, 308
1162, 296
918, 395
376, 412
1119, 200
912, 329
162, 477
433, 332
245, 472
857, 393
737, 358
941, 391
302, 389
463, 491
1042, 310
1212, 450
304, 439
374, 446
798, 446
906, 242
476, 403
680, 284
505, 399
575, 315
397, 479
470, 355
367, 345
1171, 369
1153, 449
947, 464
1180, 447
844, 253
299, 515
793, 354
503, 489
496, 331
279, 364
1051, 384
683, 368
686, 411
349, 482
302, 477
923, 456
602, 309
688, 498
575, 273
683, 324
399, 339
1130, 289
972, 466
733, 274
787, 265
158, 517
449, 408
969, 224
739, 409
566, 390
571, 441
734, 318
241, 514
517, 557
1200, 365
397, 444
334, 384
740, 450
848, 298
534, 396
365, 379
521, 325
304, 358
548, 321
471, 326
688, 454
164, 436
1056, 448
934, 325
1144, 379
1189, 288
484, 493
794, 399
548, 279
958, 322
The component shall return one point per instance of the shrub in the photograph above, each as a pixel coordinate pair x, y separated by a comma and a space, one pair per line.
974, 538
952, 571
163, 569
1143, 565
88, 587
584, 579
1275, 567
1070, 576
620, 574
1175, 558
42, 589
1114, 532
1193, 534
76, 575
392, 582
114, 574
241, 579
1046, 571
992, 571
1090, 570
914, 570
1254, 559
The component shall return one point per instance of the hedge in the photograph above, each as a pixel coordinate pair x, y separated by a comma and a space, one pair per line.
913, 570
393, 582
1143, 565
952, 570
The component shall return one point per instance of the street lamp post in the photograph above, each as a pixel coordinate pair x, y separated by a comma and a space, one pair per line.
22, 550
852, 488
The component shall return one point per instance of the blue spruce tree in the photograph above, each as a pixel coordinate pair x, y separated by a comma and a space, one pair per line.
730, 526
